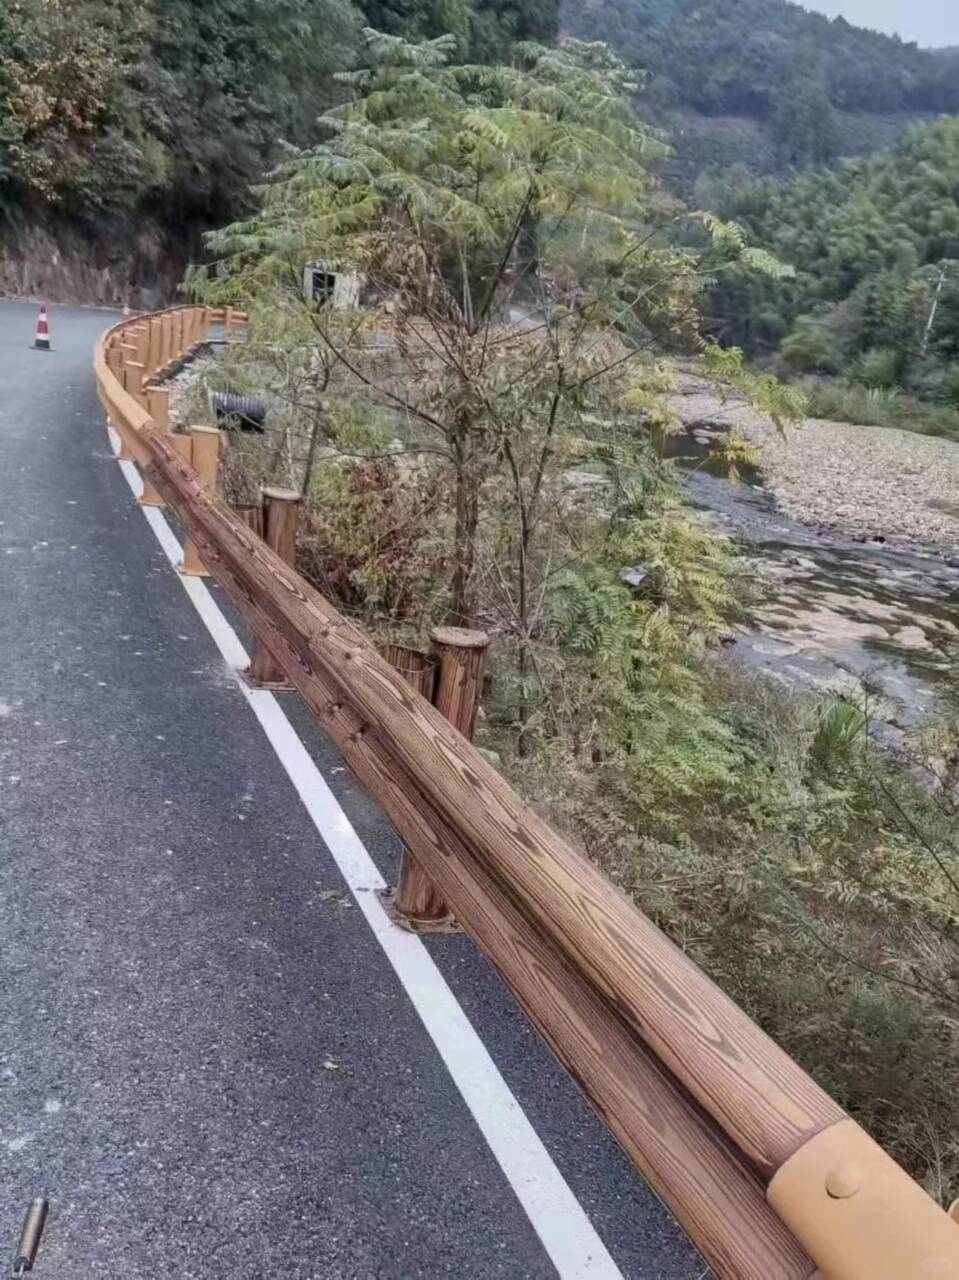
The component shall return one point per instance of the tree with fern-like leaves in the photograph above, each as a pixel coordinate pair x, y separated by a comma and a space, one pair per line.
517, 286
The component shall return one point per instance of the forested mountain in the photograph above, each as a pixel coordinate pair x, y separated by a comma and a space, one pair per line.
804, 88
875, 244
106, 107
120, 118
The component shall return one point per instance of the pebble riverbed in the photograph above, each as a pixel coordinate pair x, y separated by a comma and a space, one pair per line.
864, 482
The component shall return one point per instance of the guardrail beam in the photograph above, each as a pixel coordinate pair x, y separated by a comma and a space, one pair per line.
858, 1214
705, 1104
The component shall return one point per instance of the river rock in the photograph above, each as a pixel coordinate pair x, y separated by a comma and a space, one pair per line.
874, 483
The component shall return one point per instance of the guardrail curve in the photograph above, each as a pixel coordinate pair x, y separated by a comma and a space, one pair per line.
768, 1175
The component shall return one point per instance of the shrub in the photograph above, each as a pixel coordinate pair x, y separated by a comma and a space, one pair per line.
878, 369
839, 401
810, 877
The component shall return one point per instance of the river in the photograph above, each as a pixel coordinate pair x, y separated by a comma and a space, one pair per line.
835, 611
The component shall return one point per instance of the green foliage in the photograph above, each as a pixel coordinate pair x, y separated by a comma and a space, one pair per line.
813, 877
878, 369
726, 366
485, 30
169, 110
838, 401
875, 246
841, 732
65, 72
225, 80
804, 125
813, 84
172, 107
450, 157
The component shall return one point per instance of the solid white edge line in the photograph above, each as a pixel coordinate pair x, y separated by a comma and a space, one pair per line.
557, 1217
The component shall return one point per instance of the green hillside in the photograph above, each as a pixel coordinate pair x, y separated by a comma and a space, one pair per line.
875, 244
803, 88
127, 124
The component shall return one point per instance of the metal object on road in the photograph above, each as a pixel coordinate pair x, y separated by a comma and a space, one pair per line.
33, 1225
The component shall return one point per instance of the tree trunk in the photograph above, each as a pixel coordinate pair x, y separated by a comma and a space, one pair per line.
467, 522
311, 453
523, 637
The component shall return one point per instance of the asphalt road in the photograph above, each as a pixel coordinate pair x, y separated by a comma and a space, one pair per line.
206, 1061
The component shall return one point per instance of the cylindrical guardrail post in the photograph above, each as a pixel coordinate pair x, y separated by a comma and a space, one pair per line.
281, 517
139, 335
158, 406
252, 516
134, 373
462, 665
114, 359
204, 455
155, 347
459, 658
166, 339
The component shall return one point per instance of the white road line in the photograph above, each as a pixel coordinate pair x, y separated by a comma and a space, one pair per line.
556, 1215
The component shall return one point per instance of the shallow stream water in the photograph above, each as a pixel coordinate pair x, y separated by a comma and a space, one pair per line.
835, 611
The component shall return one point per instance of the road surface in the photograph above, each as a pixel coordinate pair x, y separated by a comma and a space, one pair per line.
214, 1059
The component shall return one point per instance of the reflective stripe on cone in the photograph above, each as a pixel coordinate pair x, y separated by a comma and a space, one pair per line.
42, 340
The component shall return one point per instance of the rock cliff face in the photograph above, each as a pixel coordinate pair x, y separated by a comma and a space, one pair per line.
40, 263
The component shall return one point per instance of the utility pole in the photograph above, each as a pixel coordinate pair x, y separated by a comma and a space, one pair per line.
932, 313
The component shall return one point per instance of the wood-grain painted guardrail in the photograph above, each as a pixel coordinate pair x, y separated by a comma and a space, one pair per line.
768, 1175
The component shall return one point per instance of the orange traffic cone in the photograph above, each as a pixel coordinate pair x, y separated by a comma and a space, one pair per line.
42, 341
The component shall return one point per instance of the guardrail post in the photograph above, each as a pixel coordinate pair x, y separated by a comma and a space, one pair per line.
462, 664
166, 339
280, 521
114, 358
204, 454
454, 683
158, 406
416, 666
153, 347
227, 321
140, 335
252, 516
133, 375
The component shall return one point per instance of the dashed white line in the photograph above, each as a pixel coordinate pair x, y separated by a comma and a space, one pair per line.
557, 1217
